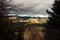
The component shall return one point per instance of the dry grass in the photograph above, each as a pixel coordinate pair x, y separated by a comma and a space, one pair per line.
37, 33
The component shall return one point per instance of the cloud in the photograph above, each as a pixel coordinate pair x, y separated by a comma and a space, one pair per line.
32, 7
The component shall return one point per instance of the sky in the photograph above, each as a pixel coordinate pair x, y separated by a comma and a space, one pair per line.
30, 7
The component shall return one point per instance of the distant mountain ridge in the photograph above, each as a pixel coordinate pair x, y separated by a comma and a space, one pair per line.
29, 17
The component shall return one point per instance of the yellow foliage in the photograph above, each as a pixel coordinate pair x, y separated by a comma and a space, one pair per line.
32, 20
41, 21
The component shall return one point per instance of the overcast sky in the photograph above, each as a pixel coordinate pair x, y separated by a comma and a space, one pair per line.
31, 7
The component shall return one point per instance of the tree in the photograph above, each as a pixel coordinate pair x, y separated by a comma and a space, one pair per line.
54, 20
3, 20
53, 25
7, 32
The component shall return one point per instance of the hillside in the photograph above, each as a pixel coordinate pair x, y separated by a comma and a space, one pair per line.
29, 19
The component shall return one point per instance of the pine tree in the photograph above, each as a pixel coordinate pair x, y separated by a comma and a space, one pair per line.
53, 25
54, 20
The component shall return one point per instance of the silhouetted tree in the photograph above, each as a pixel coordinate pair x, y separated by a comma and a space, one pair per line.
54, 20
3, 20
53, 25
